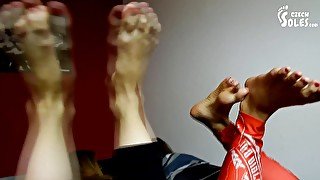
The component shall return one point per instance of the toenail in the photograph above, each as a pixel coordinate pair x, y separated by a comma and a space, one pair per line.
31, 3
144, 4
17, 4
32, 9
305, 80
57, 8
6, 7
317, 84
287, 69
298, 74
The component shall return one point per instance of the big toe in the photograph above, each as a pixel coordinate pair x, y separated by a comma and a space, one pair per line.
31, 3
115, 15
58, 9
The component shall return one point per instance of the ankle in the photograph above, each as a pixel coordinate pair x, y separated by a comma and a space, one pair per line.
255, 112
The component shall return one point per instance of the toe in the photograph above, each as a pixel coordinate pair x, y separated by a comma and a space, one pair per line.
146, 10
5, 15
283, 72
236, 87
130, 10
31, 3
57, 9
20, 27
142, 23
241, 94
17, 10
280, 72
302, 82
235, 83
17, 4
311, 88
274, 71
143, 4
155, 26
222, 86
37, 22
293, 77
130, 23
115, 15
230, 82
60, 19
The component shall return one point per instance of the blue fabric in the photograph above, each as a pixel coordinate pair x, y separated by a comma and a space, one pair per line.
10, 178
175, 163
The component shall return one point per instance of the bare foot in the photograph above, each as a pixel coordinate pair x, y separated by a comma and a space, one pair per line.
45, 77
37, 43
136, 40
277, 89
133, 36
59, 22
213, 111
50, 115
136, 36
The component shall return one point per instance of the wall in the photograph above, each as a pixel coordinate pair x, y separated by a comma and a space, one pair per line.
205, 41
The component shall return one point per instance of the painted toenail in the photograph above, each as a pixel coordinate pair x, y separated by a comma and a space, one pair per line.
17, 4
287, 69
296, 74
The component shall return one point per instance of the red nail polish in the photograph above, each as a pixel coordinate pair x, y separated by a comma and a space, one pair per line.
287, 69
16, 4
316, 84
298, 74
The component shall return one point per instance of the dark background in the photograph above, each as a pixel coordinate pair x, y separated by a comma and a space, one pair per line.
93, 123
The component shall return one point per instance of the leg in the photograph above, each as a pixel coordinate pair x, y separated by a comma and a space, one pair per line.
214, 110
136, 157
201, 111
128, 41
49, 111
286, 89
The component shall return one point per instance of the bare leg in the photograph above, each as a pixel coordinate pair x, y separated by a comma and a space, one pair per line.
9, 15
137, 36
214, 110
10, 44
135, 157
48, 110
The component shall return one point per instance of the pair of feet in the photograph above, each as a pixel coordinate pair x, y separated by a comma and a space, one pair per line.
34, 29
261, 97
134, 32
